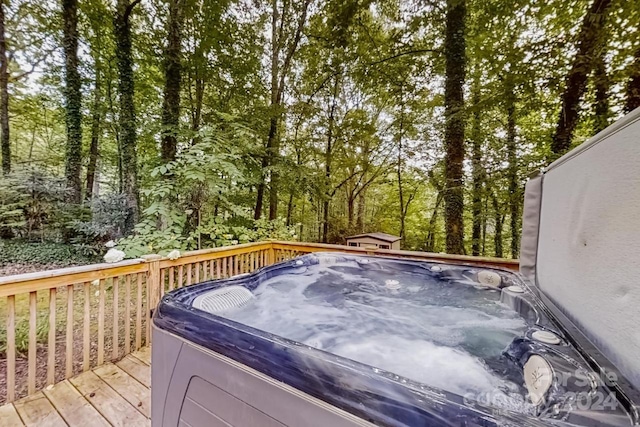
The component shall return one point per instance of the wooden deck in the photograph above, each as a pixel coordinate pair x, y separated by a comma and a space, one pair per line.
114, 394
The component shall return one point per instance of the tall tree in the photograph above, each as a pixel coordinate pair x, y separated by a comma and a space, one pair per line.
499, 222
601, 84
477, 171
633, 85
455, 51
96, 130
589, 42
73, 101
4, 96
328, 159
127, 116
512, 168
172, 79
287, 43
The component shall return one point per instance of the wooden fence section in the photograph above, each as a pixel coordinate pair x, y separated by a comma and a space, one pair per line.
63, 322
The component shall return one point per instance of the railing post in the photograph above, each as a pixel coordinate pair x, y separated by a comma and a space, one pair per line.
271, 255
153, 278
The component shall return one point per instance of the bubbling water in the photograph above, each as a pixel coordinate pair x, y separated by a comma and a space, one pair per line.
415, 325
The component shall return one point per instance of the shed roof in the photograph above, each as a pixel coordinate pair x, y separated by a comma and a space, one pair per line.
380, 236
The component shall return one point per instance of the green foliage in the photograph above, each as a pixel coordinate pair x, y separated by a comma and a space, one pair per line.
60, 254
362, 123
12, 207
148, 239
105, 223
34, 203
22, 334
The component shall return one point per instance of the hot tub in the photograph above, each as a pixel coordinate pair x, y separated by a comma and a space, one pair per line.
330, 339
337, 340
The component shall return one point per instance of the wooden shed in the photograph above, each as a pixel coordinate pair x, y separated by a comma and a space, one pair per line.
379, 240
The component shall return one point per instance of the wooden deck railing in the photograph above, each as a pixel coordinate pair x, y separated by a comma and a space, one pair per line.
62, 322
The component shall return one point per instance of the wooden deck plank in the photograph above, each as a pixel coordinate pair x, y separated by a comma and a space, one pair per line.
126, 386
136, 368
144, 354
9, 416
110, 404
36, 410
74, 408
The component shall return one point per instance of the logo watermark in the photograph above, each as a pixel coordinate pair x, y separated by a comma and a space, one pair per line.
584, 392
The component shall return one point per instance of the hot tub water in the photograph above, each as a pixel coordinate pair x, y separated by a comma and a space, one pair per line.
417, 325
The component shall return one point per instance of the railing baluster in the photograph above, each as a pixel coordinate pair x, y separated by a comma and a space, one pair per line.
147, 311
211, 274
171, 278
139, 313
115, 342
31, 380
188, 274
180, 276
224, 267
69, 334
51, 347
162, 282
11, 348
101, 323
127, 314
197, 265
86, 336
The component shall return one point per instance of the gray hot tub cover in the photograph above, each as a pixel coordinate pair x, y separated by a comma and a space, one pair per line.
581, 241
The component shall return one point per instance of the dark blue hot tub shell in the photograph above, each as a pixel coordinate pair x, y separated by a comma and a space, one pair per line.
383, 398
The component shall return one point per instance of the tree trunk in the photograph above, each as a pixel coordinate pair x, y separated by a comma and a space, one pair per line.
484, 226
497, 237
172, 80
272, 143
4, 97
633, 85
601, 82
589, 42
278, 78
361, 212
73, 102
127, 117
96, 129
403, 212
325, 221
290, 208
115, 127
351, 211
328, 159
454, 46
430, 244
512, 169
257, 213
275, 177
477, 173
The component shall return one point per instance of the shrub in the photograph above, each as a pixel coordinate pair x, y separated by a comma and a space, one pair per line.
19, 251
106, 223
31, 202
